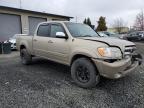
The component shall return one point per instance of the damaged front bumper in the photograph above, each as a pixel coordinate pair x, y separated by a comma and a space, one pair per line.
119, 68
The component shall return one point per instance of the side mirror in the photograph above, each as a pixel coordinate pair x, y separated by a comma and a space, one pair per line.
61, 35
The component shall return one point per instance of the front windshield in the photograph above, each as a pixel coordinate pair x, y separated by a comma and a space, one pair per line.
80, 30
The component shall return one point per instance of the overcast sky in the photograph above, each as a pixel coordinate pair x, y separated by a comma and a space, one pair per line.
111, 9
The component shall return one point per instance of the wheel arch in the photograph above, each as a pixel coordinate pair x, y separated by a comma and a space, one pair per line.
75, 57
22, 46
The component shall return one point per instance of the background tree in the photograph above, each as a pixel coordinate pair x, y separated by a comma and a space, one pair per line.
101, 24
139, 22
88, 22
119, 25
85, 21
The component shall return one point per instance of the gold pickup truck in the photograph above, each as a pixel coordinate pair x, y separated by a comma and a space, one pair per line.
80, 47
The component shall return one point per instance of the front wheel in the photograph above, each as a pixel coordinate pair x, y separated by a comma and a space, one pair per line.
26, 58
84, 73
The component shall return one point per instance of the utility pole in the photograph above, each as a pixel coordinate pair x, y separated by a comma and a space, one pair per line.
142, 20
76, 19
20, 3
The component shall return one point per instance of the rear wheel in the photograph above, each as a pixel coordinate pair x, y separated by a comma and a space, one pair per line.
26, 58
84, 73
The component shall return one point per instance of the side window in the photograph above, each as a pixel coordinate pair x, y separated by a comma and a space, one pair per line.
43, 31
56, 28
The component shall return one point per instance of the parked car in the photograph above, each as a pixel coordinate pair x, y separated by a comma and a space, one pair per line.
80, 47
111, 34
135, 36
102, 34
12, 40
123, 36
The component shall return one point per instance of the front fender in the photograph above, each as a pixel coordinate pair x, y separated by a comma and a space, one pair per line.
84, 52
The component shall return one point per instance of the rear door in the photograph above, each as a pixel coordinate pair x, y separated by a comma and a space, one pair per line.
40, 41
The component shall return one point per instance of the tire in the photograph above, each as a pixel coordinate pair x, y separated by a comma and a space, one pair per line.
26, 58
84, 73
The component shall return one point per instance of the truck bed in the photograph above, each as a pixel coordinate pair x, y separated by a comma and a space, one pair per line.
26, 40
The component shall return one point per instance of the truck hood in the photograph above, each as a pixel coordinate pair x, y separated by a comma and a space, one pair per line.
110, 41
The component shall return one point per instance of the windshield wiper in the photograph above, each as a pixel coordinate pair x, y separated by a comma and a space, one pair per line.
86, 36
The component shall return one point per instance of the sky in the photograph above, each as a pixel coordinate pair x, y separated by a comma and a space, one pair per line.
80, 9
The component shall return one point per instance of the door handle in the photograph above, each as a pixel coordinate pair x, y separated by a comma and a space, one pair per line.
35, 40
50, 41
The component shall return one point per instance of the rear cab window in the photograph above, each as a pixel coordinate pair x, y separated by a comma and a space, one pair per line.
44, 30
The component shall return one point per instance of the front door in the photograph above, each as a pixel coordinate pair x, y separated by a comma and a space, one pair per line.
58, 47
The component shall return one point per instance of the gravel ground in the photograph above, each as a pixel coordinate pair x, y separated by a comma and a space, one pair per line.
46, 84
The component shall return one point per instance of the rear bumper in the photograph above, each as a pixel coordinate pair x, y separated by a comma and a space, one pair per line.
116, 69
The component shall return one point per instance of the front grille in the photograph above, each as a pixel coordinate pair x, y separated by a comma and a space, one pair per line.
129, 50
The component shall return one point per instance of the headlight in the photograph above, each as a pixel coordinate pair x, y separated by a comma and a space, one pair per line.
110, 52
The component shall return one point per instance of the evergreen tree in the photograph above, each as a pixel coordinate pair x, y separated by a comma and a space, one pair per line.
85, 21
101, 24
88, 22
